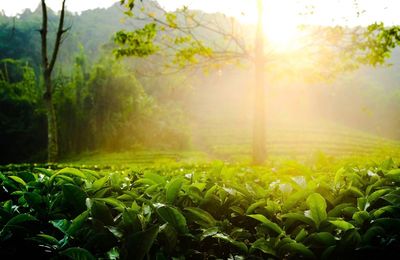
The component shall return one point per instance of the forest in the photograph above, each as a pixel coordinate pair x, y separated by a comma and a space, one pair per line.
143, 130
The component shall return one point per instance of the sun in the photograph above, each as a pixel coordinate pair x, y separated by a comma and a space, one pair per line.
281, 26
281, 35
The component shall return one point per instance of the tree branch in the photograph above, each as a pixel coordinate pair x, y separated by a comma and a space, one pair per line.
60, 32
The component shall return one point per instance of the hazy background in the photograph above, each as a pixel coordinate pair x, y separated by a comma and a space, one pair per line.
113, 106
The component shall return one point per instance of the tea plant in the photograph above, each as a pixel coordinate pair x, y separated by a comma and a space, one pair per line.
212, 211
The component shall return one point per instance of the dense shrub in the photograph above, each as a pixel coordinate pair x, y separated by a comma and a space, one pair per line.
201, 212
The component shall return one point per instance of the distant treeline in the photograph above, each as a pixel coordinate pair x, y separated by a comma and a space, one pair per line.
100, 102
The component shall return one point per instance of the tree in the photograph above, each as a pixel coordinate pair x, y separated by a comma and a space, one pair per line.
47, 70
369, 45
259, 151
140, 43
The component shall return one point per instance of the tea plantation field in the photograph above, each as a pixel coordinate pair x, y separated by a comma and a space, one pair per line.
285, 210
233, 140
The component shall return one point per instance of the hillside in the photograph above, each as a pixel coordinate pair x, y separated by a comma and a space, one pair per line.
356, 112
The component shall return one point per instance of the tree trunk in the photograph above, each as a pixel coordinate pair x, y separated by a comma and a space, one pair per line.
47, 67
52, 134
259, 150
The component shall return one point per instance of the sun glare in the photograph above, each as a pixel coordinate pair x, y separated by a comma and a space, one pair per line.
281, 26
281, 34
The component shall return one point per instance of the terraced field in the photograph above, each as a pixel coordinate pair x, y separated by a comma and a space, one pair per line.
234, 140
229, 143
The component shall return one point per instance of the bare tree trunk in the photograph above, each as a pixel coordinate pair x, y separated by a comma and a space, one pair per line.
47, 67
259, 150
52, 133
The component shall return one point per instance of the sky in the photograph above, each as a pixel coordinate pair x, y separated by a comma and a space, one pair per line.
325, 12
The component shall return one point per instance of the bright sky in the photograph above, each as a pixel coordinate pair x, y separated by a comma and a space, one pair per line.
287, 14
325, 11
281, 17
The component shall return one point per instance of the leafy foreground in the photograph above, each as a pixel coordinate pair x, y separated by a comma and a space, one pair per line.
212, 211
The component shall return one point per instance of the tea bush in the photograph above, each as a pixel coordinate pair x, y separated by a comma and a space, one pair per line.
211, 211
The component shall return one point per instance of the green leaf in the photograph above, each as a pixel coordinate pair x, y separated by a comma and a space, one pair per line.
362, 203
15, 223
90, 173
294, 199
371, 233
297, 248
387, 209
298, 217
301, 235
327, 254
394, 174
201, 217
19, 219
262, 245
392, 198
360, 217
113, 254
61, 224
387, 164
376, 195
337, 211
240, 245
153, 190
389, 224
101, 212
351, 238
209, 232
173, 217
113, 202
268, 223
74, 196
154, 177
130, 221
210, 193
317, 205
339, 175
349, 211
48, 239
68, 171
18, 180
321, 239
255, 205
138, 244
341, 224
77, 223
172, 189
33, 199
138, 43
77, 253
195, 194
100, 183
115, 180
237, 209
168, 237
355, 191
7, 206
44, 171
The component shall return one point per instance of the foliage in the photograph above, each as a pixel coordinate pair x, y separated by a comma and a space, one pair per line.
140, 42
201, 211
96, 98
21, 116
378, 42
94, 106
